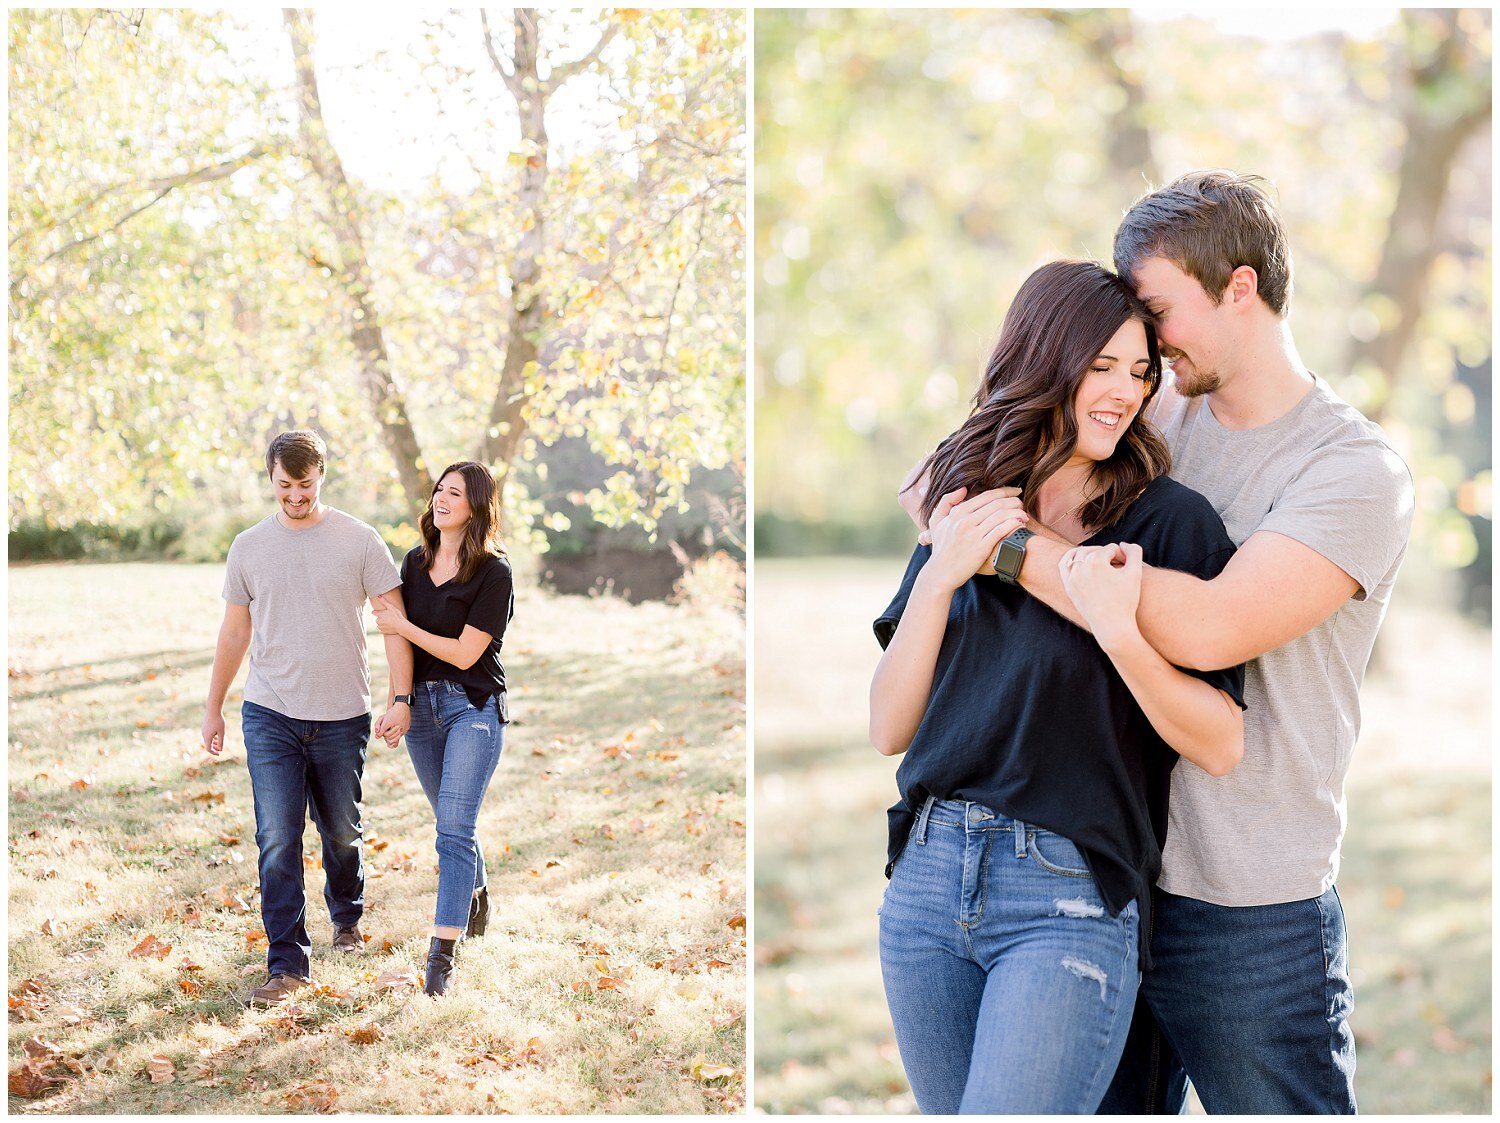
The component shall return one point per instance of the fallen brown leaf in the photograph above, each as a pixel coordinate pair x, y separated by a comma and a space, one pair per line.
368, 1034
39, 1049
737, 921
160, 1069
396, 979
151, 947
28, 1081
315, 1095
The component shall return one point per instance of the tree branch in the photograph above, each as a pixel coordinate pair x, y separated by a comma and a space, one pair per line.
561, 74
511, 81
164, 187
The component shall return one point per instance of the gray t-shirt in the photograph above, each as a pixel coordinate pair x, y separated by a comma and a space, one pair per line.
1322, 474
306, 590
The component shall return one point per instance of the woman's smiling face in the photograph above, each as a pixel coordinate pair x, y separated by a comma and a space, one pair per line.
450, 503
1111, 392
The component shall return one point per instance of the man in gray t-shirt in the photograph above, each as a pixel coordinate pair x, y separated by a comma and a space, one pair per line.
295, 586
1249, 989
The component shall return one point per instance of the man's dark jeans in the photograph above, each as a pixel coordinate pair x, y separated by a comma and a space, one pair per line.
297, 767
1253, 1002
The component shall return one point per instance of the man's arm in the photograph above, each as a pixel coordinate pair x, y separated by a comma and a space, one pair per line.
1273, 590
234, 641
398, 656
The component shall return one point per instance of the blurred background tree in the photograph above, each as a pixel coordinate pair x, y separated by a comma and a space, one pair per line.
490, 236
912, 167
912, 170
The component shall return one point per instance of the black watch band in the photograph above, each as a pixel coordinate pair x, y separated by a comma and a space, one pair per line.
1011, 554
407, 698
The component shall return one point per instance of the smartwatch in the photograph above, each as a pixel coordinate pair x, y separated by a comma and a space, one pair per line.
1010, 554
407, 698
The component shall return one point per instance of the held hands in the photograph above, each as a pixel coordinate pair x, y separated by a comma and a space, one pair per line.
966, 532
393, 724
1104, 583
388, 618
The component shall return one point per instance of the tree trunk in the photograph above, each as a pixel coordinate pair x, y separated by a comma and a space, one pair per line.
1105, 35
353, 269
1437, 126
507, 424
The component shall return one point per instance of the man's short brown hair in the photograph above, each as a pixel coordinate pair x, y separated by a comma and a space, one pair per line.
1208, 224
300, 451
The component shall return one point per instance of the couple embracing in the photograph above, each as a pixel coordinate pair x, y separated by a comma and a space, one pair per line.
295, 587
1127, 700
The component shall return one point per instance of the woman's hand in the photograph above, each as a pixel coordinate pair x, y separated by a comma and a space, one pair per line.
966, 532
1104, 583
388, 618
394, 723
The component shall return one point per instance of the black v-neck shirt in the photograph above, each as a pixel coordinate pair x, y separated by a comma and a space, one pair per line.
1028, 716
486, 600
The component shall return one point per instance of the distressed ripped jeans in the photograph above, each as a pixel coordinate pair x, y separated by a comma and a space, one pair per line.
1010, 985
454, 748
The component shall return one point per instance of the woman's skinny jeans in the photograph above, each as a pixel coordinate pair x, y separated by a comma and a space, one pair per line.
454, 748
1010, 985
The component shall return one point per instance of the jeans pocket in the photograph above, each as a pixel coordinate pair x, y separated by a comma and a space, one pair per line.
1055, 854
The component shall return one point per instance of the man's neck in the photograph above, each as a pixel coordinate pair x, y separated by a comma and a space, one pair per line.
314, 517
1269, 379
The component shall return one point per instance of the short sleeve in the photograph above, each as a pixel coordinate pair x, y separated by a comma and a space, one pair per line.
1353, 503
1188, 535
236, 588
491, 608
885, 623
380, 572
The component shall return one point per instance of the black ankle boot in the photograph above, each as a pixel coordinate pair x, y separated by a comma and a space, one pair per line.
479, 914
440, 955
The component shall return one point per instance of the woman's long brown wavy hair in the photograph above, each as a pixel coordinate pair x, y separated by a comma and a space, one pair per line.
481, 536
1023, 427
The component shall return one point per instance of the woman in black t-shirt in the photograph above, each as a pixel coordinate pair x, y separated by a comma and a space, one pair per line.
1037, 756
458, 595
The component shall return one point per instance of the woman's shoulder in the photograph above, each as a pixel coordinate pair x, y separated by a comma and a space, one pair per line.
1166, 496
496, 567
1174, 524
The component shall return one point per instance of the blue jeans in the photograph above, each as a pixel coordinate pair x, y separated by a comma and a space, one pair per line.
454, 748
1010, 985
297, 767
1253, 1003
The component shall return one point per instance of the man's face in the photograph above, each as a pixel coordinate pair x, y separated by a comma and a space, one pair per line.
298, 497
1194, 332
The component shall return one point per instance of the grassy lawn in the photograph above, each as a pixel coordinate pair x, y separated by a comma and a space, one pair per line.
612, 978
1415, 880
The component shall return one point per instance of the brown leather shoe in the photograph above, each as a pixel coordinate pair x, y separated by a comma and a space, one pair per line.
348, 939
275, 990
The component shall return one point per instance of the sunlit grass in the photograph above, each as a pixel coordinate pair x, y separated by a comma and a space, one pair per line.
614, 830
1415, 882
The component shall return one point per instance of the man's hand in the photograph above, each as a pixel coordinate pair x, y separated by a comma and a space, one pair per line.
965, 538
914, 492
213, 733
1104, 583
394, 724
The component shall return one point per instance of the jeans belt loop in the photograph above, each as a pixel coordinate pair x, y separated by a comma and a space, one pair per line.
922, 820
1019, 829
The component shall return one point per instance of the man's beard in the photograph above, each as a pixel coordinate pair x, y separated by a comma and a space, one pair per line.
1194, 383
